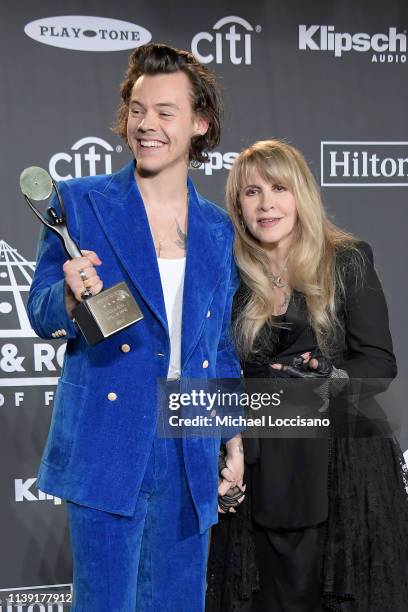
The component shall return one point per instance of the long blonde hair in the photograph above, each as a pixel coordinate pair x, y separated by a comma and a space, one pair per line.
316, 241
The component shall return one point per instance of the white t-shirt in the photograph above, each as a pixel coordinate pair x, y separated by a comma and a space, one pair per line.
172, 280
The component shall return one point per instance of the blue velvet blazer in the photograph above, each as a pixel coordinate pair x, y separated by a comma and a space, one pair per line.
97, 449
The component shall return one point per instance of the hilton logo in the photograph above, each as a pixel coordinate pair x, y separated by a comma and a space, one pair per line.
364, 164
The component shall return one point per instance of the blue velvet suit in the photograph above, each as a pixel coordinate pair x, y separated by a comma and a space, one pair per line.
98, 449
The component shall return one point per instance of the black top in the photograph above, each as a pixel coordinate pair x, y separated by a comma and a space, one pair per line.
289, 479
361, 486
362, 343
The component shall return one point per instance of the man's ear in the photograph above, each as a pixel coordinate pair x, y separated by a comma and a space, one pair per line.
201, 125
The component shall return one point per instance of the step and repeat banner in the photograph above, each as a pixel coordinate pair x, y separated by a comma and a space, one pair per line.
328, 77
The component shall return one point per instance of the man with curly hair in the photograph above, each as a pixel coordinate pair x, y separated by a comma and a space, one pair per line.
140, 506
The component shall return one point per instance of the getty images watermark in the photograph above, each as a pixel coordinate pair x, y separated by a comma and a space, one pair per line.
210, 408
277, 407
226, 401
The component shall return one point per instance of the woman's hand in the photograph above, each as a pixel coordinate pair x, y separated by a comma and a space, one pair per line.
234, 470
308, 365
232, 474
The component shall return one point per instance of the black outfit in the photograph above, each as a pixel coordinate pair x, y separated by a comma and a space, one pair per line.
289, 564
328, 526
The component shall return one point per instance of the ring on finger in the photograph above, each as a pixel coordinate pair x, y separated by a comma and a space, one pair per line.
83, 275
87, 283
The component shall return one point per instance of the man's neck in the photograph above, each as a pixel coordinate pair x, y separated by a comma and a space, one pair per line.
167, 189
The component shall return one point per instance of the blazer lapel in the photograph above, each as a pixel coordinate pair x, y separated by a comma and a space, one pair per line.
121, 213
207, 252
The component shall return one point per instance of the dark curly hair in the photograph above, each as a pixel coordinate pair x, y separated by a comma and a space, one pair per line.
206, 96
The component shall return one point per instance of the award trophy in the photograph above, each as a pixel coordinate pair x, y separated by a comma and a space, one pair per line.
97, 316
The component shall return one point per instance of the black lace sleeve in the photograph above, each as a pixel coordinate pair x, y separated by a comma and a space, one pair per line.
365, 566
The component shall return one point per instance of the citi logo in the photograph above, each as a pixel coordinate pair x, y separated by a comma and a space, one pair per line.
364, 164
325, 38
85, 33
236, 45
89, 156
218, 161
25, 491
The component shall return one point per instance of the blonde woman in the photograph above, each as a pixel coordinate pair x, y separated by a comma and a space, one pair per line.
328, 516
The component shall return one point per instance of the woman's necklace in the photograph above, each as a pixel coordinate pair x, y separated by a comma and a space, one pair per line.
277, 279
278, 282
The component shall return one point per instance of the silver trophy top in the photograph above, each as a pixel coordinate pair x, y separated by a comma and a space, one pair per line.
36, 183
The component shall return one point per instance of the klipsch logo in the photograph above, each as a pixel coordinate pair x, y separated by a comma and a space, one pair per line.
218, 161
233, 42
85, 33
89, 156
386, 47
364, 164
24, 490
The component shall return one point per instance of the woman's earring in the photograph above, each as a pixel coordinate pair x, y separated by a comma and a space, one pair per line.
243, 226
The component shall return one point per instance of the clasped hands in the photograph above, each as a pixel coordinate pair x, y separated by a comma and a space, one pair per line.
231, 471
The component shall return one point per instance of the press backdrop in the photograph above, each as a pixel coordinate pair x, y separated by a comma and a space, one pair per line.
329, 77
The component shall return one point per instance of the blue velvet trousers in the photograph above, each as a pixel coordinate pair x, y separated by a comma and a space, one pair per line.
154, 561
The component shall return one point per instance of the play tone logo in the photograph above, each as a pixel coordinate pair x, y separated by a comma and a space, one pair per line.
85, 33
364, 164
